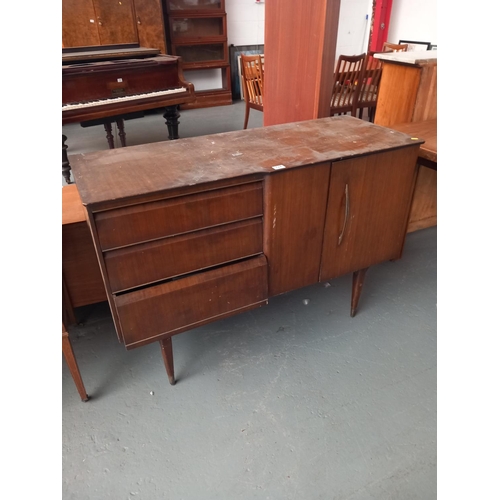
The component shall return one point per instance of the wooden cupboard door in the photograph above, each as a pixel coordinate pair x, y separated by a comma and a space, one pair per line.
79, 23
116, 21
150, 27
368, 206
294, 217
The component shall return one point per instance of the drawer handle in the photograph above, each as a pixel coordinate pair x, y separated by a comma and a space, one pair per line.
346, 214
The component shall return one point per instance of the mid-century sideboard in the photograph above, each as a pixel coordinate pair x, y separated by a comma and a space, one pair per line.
194, 230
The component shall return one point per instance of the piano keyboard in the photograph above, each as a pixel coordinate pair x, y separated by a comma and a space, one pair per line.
88, 104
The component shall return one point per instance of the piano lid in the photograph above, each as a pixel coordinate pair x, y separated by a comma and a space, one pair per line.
72, 55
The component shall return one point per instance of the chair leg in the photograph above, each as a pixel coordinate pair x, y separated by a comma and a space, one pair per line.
69, 355
360, 113
247, 113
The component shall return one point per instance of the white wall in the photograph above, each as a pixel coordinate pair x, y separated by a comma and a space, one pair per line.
410, 20
413, 20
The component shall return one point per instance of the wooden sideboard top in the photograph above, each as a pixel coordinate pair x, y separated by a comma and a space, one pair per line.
125, 173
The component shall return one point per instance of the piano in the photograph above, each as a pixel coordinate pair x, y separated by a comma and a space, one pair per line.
108, 84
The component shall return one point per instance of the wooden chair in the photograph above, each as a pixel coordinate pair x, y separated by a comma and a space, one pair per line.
346, 80
368, 92
394, 47
252, 72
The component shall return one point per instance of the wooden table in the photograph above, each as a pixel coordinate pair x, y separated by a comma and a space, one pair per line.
82, 280
191, 231
427, 130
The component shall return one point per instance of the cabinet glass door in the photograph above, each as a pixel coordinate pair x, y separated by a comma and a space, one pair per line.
205, 53
174, 5
197, 27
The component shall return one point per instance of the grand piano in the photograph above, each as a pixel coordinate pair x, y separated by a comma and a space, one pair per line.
111, 83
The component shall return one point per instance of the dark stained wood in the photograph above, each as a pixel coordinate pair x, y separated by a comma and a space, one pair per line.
168, 220
109, 52
293, 226
144, 222
169, 257
367, 213
168, 358
69, 356
81, 274
102, 80
358, 279
164, 310
300, 50
126, 173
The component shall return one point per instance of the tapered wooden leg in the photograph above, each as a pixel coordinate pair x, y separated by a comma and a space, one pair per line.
121, 131
358, 279
168, 358
247, 114
69, 355
109, 135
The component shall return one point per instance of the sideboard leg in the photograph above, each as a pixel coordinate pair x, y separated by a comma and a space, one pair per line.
168, 358
358, 278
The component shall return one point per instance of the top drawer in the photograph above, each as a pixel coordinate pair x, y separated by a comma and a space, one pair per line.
150, 221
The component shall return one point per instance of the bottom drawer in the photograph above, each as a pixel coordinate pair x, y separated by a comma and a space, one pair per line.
152, 313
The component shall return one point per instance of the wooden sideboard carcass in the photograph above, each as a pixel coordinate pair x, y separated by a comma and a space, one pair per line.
191, 231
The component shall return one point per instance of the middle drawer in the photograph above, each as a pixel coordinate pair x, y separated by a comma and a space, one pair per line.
159, 260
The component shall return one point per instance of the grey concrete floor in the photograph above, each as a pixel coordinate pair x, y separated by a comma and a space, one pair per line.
295, 400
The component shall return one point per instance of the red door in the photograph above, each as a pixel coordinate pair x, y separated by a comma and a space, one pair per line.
380, 24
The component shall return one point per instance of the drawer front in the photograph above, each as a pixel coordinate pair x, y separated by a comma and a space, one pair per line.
154, 220
155, 312
162, 259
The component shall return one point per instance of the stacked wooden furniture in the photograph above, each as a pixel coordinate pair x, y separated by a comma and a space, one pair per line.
194, 230
87, 23
408, 94
198, 34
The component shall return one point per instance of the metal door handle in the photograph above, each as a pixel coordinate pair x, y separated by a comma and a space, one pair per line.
346, 214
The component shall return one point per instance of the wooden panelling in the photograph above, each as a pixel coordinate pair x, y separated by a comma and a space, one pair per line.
295, 202
116, 21
79, 23
397, 94
300, 40
162, 310
148, 262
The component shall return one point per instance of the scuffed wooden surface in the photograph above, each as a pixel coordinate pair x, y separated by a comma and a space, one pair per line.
124, 173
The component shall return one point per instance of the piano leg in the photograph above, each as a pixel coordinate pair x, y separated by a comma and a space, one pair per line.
109, 135
66, 167
121, 131
171, 116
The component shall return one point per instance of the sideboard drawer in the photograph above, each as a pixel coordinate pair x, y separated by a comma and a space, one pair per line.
146, 263
154, 220
152, 313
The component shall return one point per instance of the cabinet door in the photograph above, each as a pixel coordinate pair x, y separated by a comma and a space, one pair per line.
294, 217
79, 23
116, 21
368, 206
150, 27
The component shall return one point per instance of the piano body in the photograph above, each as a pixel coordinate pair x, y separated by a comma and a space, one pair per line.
104, 85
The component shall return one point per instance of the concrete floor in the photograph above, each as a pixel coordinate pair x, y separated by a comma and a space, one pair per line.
295, 400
